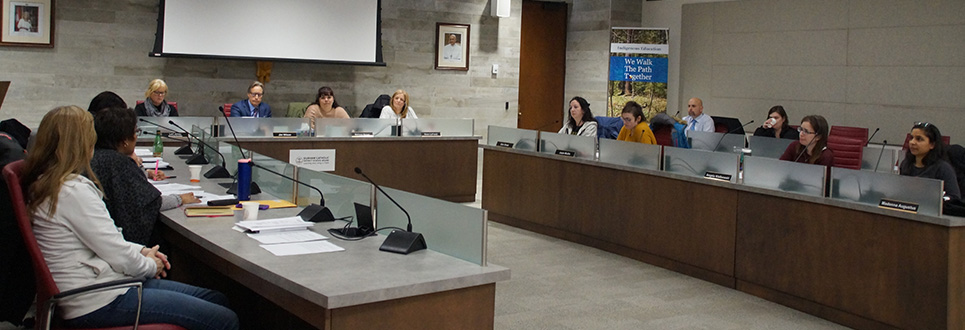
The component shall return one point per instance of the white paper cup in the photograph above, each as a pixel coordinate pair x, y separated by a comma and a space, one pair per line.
195, 173
250, 210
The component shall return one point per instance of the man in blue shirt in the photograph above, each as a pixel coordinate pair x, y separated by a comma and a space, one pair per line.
697, 119
253, 106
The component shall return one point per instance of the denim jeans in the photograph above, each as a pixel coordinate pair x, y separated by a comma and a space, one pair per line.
164, 301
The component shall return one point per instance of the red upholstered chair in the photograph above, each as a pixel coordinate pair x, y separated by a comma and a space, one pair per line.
173, 104
227, 109
47, 293
850, 132
663, 135
847, 151
945, 138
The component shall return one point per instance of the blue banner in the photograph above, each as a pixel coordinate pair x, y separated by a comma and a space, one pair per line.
638, 69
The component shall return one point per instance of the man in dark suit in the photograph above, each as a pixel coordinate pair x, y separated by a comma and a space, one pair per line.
253, 106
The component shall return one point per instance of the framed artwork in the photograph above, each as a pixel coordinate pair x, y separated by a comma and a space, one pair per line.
452, 46
28, 23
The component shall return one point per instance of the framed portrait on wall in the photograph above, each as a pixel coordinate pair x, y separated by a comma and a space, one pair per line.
28, 23
452, 46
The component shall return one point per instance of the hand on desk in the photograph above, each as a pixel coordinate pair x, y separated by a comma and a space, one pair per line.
156, 175
160, 260
189, 199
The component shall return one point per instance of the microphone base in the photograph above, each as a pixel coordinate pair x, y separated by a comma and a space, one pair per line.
316, 213
351, 232
255, 189
403, 242
184, 150
197, 159
217, 172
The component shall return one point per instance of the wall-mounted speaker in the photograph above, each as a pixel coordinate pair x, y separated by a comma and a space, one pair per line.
500, 8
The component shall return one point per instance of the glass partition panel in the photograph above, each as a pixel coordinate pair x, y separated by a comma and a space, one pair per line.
184, 122
522, 139
272, 183
762, 146
807, 179
330, 127
264, 127
715, 141
437, 126
581, 146
449, 228
630, 153
871, 188
884, 157
701, 163
341, 193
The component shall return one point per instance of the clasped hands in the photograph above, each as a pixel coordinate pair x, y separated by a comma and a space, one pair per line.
160, 260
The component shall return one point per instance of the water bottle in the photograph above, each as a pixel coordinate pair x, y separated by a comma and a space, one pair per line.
158, 145
244, 179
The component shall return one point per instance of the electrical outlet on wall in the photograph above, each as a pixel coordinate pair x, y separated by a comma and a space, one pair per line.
495, 69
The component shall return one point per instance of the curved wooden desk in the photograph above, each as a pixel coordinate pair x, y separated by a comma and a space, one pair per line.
853, 264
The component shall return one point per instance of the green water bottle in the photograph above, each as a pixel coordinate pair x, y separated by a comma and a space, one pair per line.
158, 145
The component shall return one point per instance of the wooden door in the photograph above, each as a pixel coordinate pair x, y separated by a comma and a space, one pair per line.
542, 65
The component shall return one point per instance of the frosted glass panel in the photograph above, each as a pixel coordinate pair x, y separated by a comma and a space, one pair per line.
342, 127
341, 193
272, 183
709, 140
442, 126
264, 127
762, 146
630, 153
185, 122
807, 179
868, 187
582, 146
886, 161
701, 163
522, 139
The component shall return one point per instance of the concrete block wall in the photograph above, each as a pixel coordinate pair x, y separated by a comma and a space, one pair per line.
587, 52
103, 45
861, 63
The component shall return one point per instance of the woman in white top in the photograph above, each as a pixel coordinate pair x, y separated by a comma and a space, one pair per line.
399, 108
82, 246
581, 121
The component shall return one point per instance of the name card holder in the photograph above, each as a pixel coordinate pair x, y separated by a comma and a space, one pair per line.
565, 153
284, 134
504, 144
898, 206
424, 134
718, 176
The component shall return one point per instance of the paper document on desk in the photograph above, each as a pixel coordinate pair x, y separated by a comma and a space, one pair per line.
174, 188
278, 224
293, 236
292, 249
143, 152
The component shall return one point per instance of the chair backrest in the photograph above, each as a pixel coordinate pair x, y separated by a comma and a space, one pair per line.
850, 132
847, 151
664, 134
46, 287
297, 109
374, 110
227, 109
608, 127
945, 138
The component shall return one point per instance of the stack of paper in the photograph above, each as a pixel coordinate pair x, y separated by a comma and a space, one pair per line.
280, 224
287, 236
143, 152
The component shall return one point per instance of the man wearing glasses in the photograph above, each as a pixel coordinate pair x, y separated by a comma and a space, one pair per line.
253, 106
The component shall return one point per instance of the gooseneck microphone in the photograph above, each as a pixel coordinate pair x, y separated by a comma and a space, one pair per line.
880, 153
403, 242
255, 189
539, 130
184, 150
216, 172
872, 136
730, 132
314, 212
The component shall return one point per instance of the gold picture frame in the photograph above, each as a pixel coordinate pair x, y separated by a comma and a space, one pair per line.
452, 46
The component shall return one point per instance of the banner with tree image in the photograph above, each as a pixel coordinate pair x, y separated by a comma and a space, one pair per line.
638, 70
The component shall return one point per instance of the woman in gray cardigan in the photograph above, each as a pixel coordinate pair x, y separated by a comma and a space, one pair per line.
581, 121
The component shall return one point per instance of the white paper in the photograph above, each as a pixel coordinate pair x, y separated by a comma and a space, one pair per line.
321, 160
293, 236
275, 224
151, 160
291, 249
143, 152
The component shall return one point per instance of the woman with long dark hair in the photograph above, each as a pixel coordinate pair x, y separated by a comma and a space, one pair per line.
926, 158
580, 121
776, 125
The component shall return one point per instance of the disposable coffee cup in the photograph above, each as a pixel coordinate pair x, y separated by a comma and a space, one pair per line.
195, 173
250, 210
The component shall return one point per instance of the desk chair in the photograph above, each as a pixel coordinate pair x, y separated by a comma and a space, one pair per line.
227, 109
296, 109
374, 110
48, 295
860, 133
847, 151
663, 134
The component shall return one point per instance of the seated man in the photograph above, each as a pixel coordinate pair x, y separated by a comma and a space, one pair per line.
697, 119
253, 106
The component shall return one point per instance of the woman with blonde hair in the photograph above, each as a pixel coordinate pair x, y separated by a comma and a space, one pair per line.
155, 105
82, 246
398, 107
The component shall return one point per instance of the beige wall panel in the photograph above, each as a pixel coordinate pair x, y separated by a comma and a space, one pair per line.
938, 87
780, 15
804, 83
892, 13
804, 48
908, 46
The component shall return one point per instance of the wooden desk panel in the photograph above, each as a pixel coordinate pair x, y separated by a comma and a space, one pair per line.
440, 168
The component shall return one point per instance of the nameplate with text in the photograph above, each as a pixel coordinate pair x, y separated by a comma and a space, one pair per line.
362, 134
284, 134
565, 153
717, 176
898, 205
431, 133
504, 144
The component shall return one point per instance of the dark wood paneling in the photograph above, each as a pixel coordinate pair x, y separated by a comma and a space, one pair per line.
444, 169
456, 309
887, 269
522, 187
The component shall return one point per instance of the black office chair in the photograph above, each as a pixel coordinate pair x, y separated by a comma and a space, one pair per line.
374, 110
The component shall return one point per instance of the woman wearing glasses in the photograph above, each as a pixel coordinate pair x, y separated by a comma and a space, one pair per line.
812, 145
635, 129
776, 125
155, 105
926, 158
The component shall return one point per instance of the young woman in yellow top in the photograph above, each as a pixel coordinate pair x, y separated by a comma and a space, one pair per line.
635, 129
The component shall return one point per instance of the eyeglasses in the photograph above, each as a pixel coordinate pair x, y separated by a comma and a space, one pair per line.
257, 94
159, 93
804, 131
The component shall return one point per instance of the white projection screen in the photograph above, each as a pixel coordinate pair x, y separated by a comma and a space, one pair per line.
340, 31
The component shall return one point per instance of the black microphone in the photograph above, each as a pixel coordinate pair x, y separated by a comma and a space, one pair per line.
216, 172
872, 136
805, 150
184, 150
539, 131
255, 189
403, 242
729, 132
314, 212
880, 153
